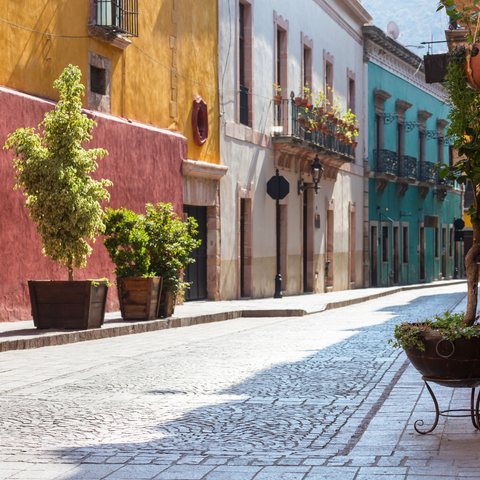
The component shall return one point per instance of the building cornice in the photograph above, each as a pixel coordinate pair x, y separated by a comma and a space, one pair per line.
398, 66
354, 8
193, 168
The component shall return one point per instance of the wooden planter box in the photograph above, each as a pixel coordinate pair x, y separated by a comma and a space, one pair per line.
78, 305
167, 305
139, 297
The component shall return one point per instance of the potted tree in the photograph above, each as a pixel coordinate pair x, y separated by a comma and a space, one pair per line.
52, 169
127, 243
148, 251
447, 348
171, 244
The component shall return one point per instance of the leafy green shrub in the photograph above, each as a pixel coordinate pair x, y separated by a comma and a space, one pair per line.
157, 243
53, 171
127, 243
449, 325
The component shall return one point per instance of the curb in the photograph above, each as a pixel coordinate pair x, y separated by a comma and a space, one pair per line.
48, 340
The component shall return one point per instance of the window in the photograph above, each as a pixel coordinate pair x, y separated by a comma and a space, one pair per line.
245, 63
450, 242
351, 94
329, 81
385, 244
436, 252
98, 79
405, 245
118, 16
307, 61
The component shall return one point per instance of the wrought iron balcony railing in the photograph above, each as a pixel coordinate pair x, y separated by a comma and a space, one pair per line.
292, 120
386, 161
118, 16
410, 167
428, 173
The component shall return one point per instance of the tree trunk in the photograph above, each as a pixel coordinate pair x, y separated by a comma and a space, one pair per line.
70, 269
472, 278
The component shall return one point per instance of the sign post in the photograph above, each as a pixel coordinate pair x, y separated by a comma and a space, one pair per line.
278, 188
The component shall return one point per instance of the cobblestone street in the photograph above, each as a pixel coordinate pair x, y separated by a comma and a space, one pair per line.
318, 397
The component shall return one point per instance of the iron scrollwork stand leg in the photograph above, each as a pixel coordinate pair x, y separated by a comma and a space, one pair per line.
437, 414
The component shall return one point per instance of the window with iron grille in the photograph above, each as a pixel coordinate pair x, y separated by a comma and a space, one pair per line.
118, 16
98, 80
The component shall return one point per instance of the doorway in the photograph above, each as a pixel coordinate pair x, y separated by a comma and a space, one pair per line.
196, 273
444, 253
305, 243
422, 253
396, 256
373, 256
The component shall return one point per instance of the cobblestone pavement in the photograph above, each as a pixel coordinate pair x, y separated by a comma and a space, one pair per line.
310, 398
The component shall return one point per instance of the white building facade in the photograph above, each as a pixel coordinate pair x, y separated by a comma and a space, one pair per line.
307, 43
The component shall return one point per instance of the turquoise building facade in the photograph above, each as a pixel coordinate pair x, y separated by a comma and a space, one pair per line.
410, 212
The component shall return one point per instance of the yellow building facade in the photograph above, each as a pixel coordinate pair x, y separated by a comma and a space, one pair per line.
154, 77
150, 71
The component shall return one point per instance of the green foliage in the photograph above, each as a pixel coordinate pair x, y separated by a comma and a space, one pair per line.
127, 243
53, 171
407, 335
467, 16
157, 243
464, 127
171, 243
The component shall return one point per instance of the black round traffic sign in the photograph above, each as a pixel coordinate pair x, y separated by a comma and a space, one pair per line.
458, 224
278, 187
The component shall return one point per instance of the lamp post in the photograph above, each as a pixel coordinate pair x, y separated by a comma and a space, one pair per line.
317, 173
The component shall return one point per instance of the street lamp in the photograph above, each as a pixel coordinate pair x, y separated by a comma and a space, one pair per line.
317, 172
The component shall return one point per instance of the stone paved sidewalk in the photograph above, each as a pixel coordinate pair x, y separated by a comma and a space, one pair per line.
316, 397
23, 335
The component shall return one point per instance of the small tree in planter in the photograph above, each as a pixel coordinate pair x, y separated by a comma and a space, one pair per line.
171, 244
151, 247
64, 201
127, 243
446, 350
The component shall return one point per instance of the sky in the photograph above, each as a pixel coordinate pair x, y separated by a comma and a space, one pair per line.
417, 21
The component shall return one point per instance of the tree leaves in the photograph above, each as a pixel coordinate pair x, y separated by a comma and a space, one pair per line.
53, 171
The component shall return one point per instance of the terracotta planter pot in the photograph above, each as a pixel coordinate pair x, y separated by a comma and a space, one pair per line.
139, 297
310, 107
301, 121
351, 128
167, 305
321, 110
472, 70
330, 116
298, 100
328, 131
342, 138
304, 102
338, 135
318, 125
335, 120
446, 363
354, 144
78, 305
277, 99
324, 128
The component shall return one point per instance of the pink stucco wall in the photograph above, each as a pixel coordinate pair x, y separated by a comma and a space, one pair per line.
144, 164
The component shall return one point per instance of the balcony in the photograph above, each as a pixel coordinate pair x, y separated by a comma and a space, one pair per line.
386, 161
297, 139
428, 173
405, 170
118, 16
410, 167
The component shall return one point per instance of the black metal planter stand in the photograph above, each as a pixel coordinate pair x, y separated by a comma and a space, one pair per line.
473, 412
